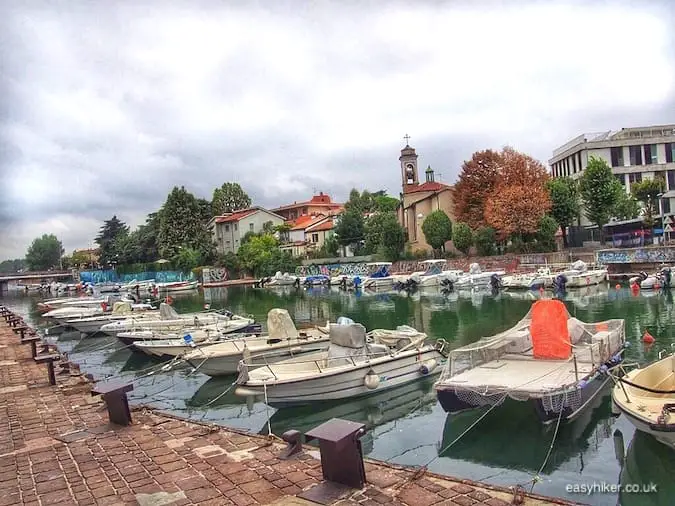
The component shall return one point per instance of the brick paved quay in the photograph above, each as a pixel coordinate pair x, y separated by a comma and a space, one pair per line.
57, 447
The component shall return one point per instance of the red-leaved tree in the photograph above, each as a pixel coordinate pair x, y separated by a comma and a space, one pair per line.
519, 199
476, 184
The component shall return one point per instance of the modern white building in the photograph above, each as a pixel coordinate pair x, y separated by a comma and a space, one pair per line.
228, 230
633, 153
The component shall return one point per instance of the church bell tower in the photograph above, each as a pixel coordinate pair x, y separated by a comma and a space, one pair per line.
408, 161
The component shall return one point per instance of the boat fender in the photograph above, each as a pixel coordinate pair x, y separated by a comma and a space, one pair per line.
428, 366
372, 380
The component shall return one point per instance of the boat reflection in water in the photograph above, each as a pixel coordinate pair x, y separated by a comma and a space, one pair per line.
372, 410
511, 436
647, 461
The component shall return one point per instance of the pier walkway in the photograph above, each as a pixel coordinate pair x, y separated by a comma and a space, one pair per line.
58, 447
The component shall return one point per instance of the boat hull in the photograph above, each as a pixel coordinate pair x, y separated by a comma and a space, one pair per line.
453, 403
348, 384
226, 365
664, 436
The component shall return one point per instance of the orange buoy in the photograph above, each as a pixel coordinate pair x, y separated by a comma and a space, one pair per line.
618, 286
647, 338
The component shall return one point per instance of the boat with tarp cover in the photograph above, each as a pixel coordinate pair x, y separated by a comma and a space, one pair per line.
549, 358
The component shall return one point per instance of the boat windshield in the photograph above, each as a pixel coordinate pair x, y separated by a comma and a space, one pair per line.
433, 269
382, 271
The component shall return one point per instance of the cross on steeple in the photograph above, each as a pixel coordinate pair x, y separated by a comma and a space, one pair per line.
407, 138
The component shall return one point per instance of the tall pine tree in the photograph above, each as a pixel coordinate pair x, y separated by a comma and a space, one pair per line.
108, 234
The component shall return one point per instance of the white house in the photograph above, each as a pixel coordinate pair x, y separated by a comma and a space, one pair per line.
228, 230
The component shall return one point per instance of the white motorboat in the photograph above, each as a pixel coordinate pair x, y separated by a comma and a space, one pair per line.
174, 345
477, 279
549, 358
354, 364
48, 305
647, 397
580, 275
144, 286
121, 310
434, 275
655, 281
380, 277
177, 287
282, 341
542, 278
280, 279
167, 319
84, 308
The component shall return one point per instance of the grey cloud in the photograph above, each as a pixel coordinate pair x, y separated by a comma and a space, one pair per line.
109, 107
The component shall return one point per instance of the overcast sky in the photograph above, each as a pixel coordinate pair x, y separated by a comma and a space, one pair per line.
105, 106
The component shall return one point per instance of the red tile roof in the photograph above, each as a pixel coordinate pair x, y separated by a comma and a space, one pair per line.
319, 200
429, 186
306, 221
327, 225
236, 216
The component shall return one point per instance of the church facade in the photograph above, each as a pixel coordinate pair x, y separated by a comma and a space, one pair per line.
418, 200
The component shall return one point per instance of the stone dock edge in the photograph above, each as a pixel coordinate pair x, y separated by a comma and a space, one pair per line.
58, 446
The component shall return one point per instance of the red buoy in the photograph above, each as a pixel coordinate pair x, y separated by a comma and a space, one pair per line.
647, 338
618, 286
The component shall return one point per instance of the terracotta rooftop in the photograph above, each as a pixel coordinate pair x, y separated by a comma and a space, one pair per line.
306, 221
320, 200
326, 225
429, 186
236, 216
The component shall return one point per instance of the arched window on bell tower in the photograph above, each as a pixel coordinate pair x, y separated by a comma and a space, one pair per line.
408, 161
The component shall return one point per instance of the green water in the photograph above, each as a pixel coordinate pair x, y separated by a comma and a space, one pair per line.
406, 425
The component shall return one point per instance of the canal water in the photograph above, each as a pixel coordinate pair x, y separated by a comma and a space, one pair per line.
406, 425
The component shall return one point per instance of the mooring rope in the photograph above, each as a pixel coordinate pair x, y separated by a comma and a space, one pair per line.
537, 477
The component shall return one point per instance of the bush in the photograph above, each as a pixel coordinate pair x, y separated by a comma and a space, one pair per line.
486, 241
462, 237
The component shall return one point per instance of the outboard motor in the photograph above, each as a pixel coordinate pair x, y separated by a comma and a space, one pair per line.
357, 282
495, 282
343, 283
559, 283
666, 277
296, 283
447, 285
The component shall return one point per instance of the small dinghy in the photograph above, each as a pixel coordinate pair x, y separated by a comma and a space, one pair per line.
355, 364
647, 397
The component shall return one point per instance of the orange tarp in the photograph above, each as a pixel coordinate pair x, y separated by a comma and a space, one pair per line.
550, 336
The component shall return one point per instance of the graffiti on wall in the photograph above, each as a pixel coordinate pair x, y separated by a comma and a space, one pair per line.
111, 276
636, 256
352, 269
215, 275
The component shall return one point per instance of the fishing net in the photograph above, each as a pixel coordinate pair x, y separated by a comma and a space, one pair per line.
548, 354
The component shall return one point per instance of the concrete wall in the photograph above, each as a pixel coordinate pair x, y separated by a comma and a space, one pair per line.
653, 255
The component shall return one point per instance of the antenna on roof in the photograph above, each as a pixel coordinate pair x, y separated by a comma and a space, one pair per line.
440, 175
313, 190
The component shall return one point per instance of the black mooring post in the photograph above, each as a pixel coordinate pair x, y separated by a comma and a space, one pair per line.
49, 359
115, 397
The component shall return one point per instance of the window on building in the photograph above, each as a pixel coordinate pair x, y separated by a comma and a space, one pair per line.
670, 152
621, 179
650, 154
227, 228
574, 164
315, 237
250, 227
670, 178
635, 155
665, 205
580, 166
236, 226
635, 177
617, 156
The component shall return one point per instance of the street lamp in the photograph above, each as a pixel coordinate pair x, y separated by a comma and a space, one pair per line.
663, 232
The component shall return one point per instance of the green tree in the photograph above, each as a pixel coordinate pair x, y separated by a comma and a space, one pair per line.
647, 192
486, 241
106, 240
262, 257
187, 259
462, 237
384, 235
228, 198
12, 266
385, 204
599, 191
564, 194
437, 229
44, 253
181, 224
626, 207
350, 228
330, 247
548, 227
